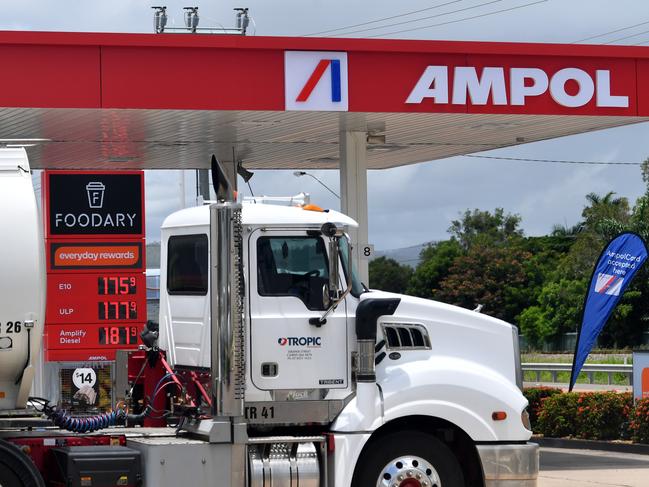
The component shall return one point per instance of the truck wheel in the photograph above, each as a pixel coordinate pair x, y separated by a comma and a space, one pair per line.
408, 459
16, 469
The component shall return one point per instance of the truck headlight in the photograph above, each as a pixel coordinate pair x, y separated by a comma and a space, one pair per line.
525, 419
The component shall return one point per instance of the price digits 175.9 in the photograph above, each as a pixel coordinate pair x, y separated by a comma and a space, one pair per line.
116, 285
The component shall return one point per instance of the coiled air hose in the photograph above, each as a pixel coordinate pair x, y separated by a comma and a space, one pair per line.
64, 420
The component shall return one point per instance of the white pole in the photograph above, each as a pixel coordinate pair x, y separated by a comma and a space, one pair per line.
353, 189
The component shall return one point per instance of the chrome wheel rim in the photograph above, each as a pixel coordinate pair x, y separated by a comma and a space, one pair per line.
408, 471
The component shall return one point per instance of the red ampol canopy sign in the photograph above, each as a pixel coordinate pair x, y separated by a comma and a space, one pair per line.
356, 75
385, 82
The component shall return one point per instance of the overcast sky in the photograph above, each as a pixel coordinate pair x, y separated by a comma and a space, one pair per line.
412, 204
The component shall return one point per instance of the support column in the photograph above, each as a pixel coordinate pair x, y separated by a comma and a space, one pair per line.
353, 189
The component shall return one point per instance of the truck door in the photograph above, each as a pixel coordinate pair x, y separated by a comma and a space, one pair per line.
287, 272
185, 326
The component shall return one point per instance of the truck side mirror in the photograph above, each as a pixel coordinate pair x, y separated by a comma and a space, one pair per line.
326, 297
334, 294
334, 266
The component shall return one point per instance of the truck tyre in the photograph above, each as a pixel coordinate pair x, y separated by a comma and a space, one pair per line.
408, 459
16, 468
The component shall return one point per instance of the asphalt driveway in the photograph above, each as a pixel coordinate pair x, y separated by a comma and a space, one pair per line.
588, 468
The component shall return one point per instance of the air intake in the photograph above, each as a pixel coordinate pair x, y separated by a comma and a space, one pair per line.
406, 336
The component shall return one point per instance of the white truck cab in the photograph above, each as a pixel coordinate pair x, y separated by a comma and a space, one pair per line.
411, 392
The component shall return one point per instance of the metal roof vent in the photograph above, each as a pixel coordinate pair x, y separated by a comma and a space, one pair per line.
406, 336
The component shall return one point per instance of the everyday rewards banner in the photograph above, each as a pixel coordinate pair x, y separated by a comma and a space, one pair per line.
618, 263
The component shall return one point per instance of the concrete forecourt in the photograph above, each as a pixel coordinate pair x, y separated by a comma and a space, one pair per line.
589, 468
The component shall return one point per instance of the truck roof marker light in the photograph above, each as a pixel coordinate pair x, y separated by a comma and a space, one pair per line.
499, 415
312, 207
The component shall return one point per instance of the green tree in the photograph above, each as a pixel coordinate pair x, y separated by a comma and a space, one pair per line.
631, 316
560, 302
564, 231
495, 277
558, 311
388, 275
603, 217
486, 228
436, 261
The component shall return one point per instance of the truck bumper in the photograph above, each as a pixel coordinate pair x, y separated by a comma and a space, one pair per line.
513, 465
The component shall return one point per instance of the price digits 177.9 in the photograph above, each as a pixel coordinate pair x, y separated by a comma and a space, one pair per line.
117, 310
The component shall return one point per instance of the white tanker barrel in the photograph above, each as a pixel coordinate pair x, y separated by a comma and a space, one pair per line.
22, 279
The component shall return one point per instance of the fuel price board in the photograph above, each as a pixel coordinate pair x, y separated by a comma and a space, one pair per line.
95, 298
96, 287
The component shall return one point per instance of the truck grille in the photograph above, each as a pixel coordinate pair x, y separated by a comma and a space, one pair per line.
406, 336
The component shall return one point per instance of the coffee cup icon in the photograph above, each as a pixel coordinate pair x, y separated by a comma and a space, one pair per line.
95, 191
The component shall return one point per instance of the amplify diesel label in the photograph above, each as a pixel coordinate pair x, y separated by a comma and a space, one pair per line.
310, 342
94, 203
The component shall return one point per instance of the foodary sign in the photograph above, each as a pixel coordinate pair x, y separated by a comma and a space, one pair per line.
95, 204
96, 293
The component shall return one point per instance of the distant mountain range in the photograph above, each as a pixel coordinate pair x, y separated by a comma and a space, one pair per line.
405, 255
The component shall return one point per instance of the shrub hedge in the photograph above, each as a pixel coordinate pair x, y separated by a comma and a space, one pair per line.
558, 416
535, 396
588, 415
639, 421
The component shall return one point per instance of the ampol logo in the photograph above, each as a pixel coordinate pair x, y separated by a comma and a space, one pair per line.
467, 85
608, 284
315, 80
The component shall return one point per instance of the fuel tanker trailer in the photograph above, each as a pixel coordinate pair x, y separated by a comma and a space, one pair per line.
272, 362
22, 280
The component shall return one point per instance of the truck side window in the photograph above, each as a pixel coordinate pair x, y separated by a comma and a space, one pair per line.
293, 266
187, 265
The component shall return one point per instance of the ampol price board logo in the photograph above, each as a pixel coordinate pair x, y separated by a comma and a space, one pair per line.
316, 80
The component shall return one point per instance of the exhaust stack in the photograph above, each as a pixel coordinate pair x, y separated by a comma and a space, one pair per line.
227, 294
367, 314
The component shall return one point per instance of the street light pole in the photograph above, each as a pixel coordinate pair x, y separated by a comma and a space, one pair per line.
304, 173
